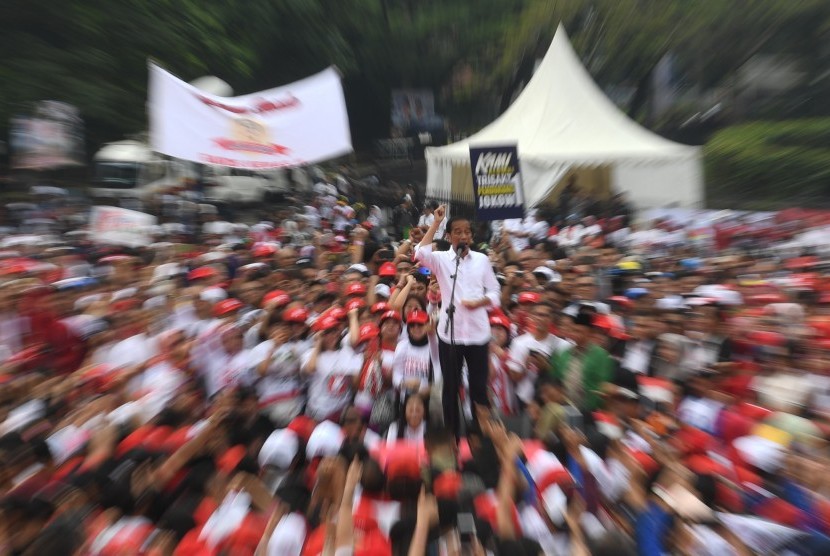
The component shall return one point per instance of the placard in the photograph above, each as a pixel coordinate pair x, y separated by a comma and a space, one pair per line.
497, 182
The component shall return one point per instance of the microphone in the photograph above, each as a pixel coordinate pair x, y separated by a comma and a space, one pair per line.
461, 249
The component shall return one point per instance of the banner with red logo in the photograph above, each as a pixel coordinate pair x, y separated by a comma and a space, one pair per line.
297, 124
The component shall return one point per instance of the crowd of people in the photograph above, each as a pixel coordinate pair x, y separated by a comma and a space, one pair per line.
335, 382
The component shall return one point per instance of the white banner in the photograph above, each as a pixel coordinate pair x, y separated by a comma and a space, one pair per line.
117, 226
301, 123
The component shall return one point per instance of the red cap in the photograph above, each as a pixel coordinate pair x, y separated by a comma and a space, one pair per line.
325, 323
263, 250
202, 272
766, 338
296, 314
367, 332
157, 438
800, 262
133, 440
302, 426
648, 463
356, 303
125, 305
622, 301
690, 440
176, 440
417, 317
403, 463
230, 459
226, 306
704, 465
500, 320
766, 299
529, 297
379, 307
356, 288
390, 315
608, 324
278, 297
447, 485
387, 269
337, 312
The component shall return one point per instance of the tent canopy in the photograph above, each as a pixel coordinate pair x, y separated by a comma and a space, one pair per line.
564, 124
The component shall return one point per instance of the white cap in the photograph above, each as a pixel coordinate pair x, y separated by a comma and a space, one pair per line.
383, 291
546, 272
279, 449
326, 440
358, 267
126, 293
85, 301
156, 302
23, 415
213, 295
212, 256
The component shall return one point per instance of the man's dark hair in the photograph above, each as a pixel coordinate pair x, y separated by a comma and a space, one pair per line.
453, 219
442, 245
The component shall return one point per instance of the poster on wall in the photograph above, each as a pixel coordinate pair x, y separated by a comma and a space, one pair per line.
294, 125
413, 111
50, 136
497, 182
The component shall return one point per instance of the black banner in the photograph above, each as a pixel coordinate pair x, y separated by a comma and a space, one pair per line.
497, 183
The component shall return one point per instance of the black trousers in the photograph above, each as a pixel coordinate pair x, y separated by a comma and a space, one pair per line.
452, 361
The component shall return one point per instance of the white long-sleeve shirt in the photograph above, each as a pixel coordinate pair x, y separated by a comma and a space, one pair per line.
475, 280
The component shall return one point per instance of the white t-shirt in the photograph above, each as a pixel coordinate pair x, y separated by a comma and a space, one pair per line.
132, 351
701, 413
161, 379
570, 236
638, 357
282, 379
426, 220
516, 226
225, 370
411, 362
330, 382
520, 350
410, 434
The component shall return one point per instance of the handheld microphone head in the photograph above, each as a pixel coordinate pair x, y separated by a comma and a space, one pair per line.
461, 249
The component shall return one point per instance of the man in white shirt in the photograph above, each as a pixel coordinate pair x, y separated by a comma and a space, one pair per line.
464, 335
427, 217
530, 352
518, 235
638, 356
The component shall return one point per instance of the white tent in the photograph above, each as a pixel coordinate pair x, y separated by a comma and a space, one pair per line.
565, 126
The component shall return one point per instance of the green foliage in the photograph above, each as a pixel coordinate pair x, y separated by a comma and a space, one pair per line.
780, 163
473, 54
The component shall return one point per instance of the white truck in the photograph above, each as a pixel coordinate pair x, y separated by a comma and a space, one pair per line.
130, 168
